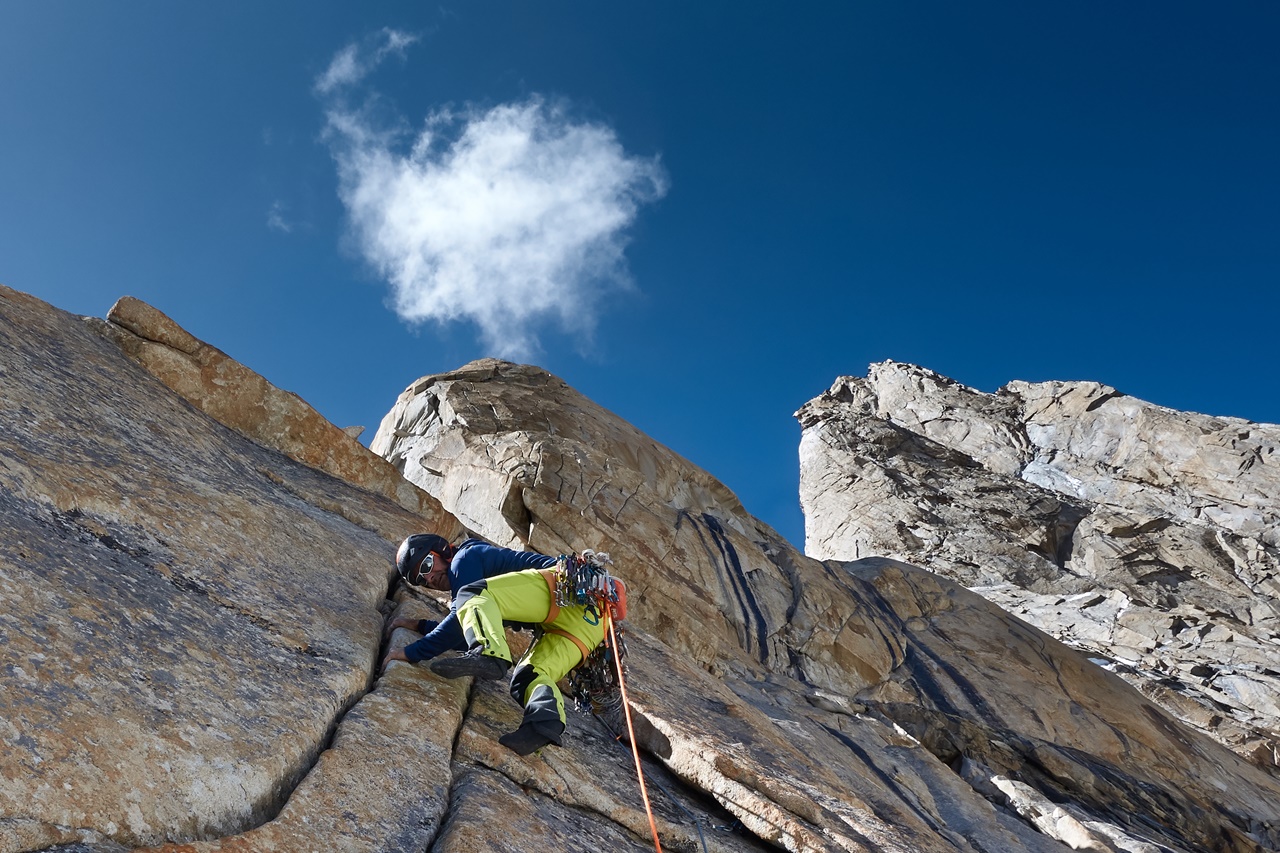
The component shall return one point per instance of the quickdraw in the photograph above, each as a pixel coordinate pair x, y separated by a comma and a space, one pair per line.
585, 580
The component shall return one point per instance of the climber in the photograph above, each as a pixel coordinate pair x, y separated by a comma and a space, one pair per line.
429, 560
568, 634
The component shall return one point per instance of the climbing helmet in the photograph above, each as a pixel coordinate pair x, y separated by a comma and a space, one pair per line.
414, 551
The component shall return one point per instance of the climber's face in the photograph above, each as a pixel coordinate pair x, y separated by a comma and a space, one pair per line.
434, 572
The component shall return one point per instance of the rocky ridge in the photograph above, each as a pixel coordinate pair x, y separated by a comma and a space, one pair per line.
1146, 537
193, 602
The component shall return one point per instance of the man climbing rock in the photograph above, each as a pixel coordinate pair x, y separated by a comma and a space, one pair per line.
567, 636
426, 559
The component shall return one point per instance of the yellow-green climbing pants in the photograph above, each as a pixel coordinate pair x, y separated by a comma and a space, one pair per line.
568, 635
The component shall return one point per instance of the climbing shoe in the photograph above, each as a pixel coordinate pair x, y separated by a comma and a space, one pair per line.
474, 663
532, 736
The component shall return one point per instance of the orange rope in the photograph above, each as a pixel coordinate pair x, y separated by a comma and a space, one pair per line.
631, 732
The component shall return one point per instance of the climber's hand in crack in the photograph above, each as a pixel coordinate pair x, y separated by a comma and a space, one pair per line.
393, 655
422, 626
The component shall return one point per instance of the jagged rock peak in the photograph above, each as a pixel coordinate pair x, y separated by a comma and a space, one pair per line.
1082, 439
1143, 535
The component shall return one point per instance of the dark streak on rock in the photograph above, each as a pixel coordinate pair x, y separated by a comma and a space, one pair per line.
1098, 403
970, 692
681, 517
885, 779
750, 608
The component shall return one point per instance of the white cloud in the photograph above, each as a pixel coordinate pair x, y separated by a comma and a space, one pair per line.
354, 62
506, 217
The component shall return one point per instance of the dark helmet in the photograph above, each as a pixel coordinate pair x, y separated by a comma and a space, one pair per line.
415, 549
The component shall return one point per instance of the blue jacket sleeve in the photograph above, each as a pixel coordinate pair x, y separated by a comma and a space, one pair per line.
446, 637
474, 561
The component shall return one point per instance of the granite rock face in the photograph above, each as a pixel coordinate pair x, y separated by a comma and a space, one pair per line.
864, 705
186, 617
1146, 537
192, 603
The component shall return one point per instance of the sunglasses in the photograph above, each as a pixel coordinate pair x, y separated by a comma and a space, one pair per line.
424, 568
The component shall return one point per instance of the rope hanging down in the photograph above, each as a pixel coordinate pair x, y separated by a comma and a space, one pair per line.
631, 732
586, 580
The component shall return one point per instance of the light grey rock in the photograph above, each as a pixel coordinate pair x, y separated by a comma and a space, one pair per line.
1145, 536
1156, 461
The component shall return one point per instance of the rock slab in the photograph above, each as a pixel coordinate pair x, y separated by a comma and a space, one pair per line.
185, 617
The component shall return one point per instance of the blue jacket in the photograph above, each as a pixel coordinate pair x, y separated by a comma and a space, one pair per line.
475, 560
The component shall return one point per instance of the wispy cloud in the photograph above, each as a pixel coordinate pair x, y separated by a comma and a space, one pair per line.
276, 218
506, 217
354, 62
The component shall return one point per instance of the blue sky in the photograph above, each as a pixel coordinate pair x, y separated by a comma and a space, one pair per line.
698, 214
